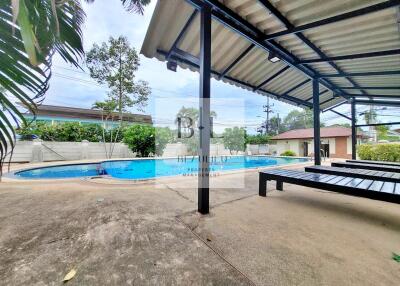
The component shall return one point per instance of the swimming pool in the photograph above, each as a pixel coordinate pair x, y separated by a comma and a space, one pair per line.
153, 168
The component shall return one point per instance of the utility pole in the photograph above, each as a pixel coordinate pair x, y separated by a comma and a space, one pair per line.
268, 110
278, 123
372, 130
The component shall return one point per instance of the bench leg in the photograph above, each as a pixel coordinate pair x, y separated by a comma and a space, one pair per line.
279, 185
262, 186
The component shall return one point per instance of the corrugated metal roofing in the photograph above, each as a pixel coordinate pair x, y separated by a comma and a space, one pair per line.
376, 31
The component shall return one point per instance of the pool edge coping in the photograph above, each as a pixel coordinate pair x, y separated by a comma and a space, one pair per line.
12, 177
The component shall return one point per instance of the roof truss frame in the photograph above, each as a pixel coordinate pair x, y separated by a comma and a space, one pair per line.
186, 58
352, 57
334, 19
361, 74
257, 38
231, 20
304, 39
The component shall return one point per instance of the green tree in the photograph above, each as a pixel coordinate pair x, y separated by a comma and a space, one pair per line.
115, 63
163, 137
258, 139
146, 140
382, 132
276, 126
108, 108
186, 113
234, 139
190, 115
31, 33
299, 119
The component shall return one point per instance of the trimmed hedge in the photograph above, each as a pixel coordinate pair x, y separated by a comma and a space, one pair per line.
68, 132
389, 152
288, 153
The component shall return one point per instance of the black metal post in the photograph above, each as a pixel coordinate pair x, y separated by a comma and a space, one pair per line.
317, 134
204, 106
353, 129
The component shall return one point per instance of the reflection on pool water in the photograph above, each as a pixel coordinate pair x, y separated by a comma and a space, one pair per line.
152, 168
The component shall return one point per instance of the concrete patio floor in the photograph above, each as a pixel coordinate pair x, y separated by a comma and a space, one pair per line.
148, 233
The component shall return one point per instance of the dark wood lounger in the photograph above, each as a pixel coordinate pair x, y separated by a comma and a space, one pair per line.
374, 162
356, 173
373, 189
383, 168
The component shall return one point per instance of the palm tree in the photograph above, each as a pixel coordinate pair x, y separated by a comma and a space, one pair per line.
31, 32
108, 109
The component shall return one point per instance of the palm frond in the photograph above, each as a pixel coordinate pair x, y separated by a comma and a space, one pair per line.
30, 33
136, 6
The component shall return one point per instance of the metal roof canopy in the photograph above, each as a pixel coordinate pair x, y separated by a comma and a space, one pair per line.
330, 52
346, 46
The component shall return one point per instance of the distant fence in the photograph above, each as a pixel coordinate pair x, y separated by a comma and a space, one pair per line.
44, 151
262, 149
38, 151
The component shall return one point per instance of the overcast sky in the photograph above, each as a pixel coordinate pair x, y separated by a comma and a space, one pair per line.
105, 18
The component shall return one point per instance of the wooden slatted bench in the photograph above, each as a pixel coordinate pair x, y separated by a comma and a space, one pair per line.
373, 189
366, 166
356, 173
374, 162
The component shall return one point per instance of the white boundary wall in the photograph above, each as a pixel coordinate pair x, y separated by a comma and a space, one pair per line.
38, 151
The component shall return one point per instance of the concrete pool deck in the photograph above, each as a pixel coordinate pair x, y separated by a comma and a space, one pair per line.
148, 233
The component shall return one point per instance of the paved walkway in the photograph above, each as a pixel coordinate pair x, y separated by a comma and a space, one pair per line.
148, 233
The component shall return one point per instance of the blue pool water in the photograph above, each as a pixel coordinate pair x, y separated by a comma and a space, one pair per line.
152, 168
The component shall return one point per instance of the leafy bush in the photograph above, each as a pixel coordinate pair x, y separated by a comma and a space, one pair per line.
379, 152
141, 139
258, 139
365, 151
146, 140
288, 153
68, 132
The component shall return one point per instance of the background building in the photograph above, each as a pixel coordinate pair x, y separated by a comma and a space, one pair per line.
335, 142
57, 114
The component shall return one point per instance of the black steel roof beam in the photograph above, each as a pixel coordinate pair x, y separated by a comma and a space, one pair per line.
373, 87
301, 36
338, 113
334, 19
378, 102
182, 33
353, 56
392, 96
378, 124
336, 105
378, 73
272, 77
237, 60
360, 95
186, 58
